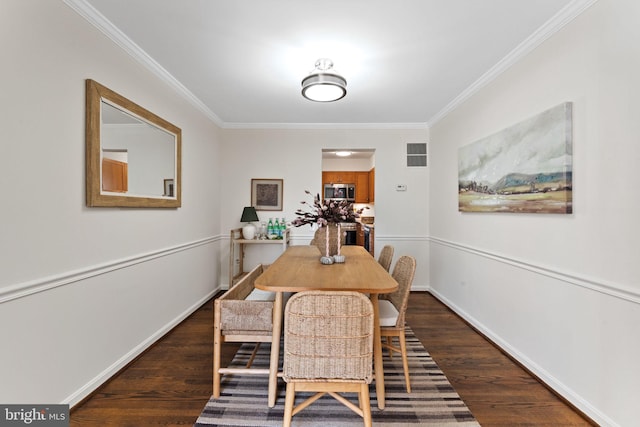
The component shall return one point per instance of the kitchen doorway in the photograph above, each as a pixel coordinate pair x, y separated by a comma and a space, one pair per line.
352, 169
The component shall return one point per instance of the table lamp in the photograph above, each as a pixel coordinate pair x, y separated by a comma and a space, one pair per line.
249, 214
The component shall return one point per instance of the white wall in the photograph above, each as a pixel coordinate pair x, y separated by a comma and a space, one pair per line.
559, 292
348, 164
83, 290
295, 155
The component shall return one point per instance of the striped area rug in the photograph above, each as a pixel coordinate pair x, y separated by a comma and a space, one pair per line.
432, 401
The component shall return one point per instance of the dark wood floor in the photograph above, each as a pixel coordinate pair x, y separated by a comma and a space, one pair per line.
170, 383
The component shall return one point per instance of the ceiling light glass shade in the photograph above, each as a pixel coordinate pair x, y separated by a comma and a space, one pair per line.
324, 84
343, 153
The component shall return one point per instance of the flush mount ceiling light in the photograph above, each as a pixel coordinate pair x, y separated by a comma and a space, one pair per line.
324, 84
343, 153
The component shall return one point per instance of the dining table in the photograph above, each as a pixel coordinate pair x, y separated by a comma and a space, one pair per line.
299, 269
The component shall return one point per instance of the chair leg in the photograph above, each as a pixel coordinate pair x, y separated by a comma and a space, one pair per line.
389, 346
405, 362
289, 399
216, 363
254, 353
365, 404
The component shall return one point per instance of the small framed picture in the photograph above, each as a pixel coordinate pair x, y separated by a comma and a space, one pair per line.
266, 194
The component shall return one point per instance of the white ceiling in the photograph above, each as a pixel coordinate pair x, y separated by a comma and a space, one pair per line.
330, 153
407, 62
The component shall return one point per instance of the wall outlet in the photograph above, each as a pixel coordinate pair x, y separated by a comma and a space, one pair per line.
401, 187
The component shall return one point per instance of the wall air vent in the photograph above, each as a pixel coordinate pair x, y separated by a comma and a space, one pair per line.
417, 154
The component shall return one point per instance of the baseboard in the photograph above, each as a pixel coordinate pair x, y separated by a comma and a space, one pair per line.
566, 394
420, 288
92, 386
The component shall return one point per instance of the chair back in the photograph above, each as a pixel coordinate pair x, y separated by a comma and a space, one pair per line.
328, 335
403, 272
386, 256
237, 313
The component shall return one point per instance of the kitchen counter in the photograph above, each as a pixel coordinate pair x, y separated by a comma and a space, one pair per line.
364, 224
348, 226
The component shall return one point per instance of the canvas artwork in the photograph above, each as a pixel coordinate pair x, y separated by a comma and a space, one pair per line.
524, 168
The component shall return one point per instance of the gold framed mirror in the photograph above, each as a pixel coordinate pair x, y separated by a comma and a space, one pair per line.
133, 157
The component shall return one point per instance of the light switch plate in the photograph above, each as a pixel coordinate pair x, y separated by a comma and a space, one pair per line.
401, 187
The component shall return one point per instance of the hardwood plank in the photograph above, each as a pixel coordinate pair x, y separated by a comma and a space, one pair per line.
170, 383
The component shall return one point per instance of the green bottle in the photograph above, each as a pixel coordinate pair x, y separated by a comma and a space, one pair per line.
270, 228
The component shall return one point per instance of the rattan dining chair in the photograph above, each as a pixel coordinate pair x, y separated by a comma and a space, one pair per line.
386, 256
328, 348
392, 311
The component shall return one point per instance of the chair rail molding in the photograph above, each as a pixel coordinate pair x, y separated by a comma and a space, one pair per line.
608, 288
24, 289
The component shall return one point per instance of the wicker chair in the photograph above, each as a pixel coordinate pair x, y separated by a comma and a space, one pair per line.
328, 348
392, 311
241, 314
386, 256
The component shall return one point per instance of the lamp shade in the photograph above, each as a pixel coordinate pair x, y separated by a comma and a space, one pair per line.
249, 214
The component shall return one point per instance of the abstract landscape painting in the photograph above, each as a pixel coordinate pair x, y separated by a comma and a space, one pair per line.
524, 168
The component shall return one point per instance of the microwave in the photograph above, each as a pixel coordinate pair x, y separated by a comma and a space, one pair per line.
340, 192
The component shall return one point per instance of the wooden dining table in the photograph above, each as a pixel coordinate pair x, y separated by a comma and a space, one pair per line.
299, 269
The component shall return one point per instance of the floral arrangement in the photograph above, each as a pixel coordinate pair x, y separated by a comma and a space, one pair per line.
325, 212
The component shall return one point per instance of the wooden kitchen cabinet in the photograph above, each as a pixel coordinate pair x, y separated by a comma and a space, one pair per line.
339, 177
359, 235
362, 187
114, 176
372, 185
363, 180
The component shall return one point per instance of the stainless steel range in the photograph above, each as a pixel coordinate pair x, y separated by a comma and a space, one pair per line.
350, 229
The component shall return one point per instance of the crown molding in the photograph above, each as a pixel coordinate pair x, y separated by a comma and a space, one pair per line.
96, 19
419, 126
552, 26
562, 18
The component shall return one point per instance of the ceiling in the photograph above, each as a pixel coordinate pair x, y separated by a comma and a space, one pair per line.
330, 153
406, 62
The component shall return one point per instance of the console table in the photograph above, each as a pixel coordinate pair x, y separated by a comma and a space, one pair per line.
237, 245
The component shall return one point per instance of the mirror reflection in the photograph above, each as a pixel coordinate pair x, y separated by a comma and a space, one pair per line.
133, 156
137, 158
